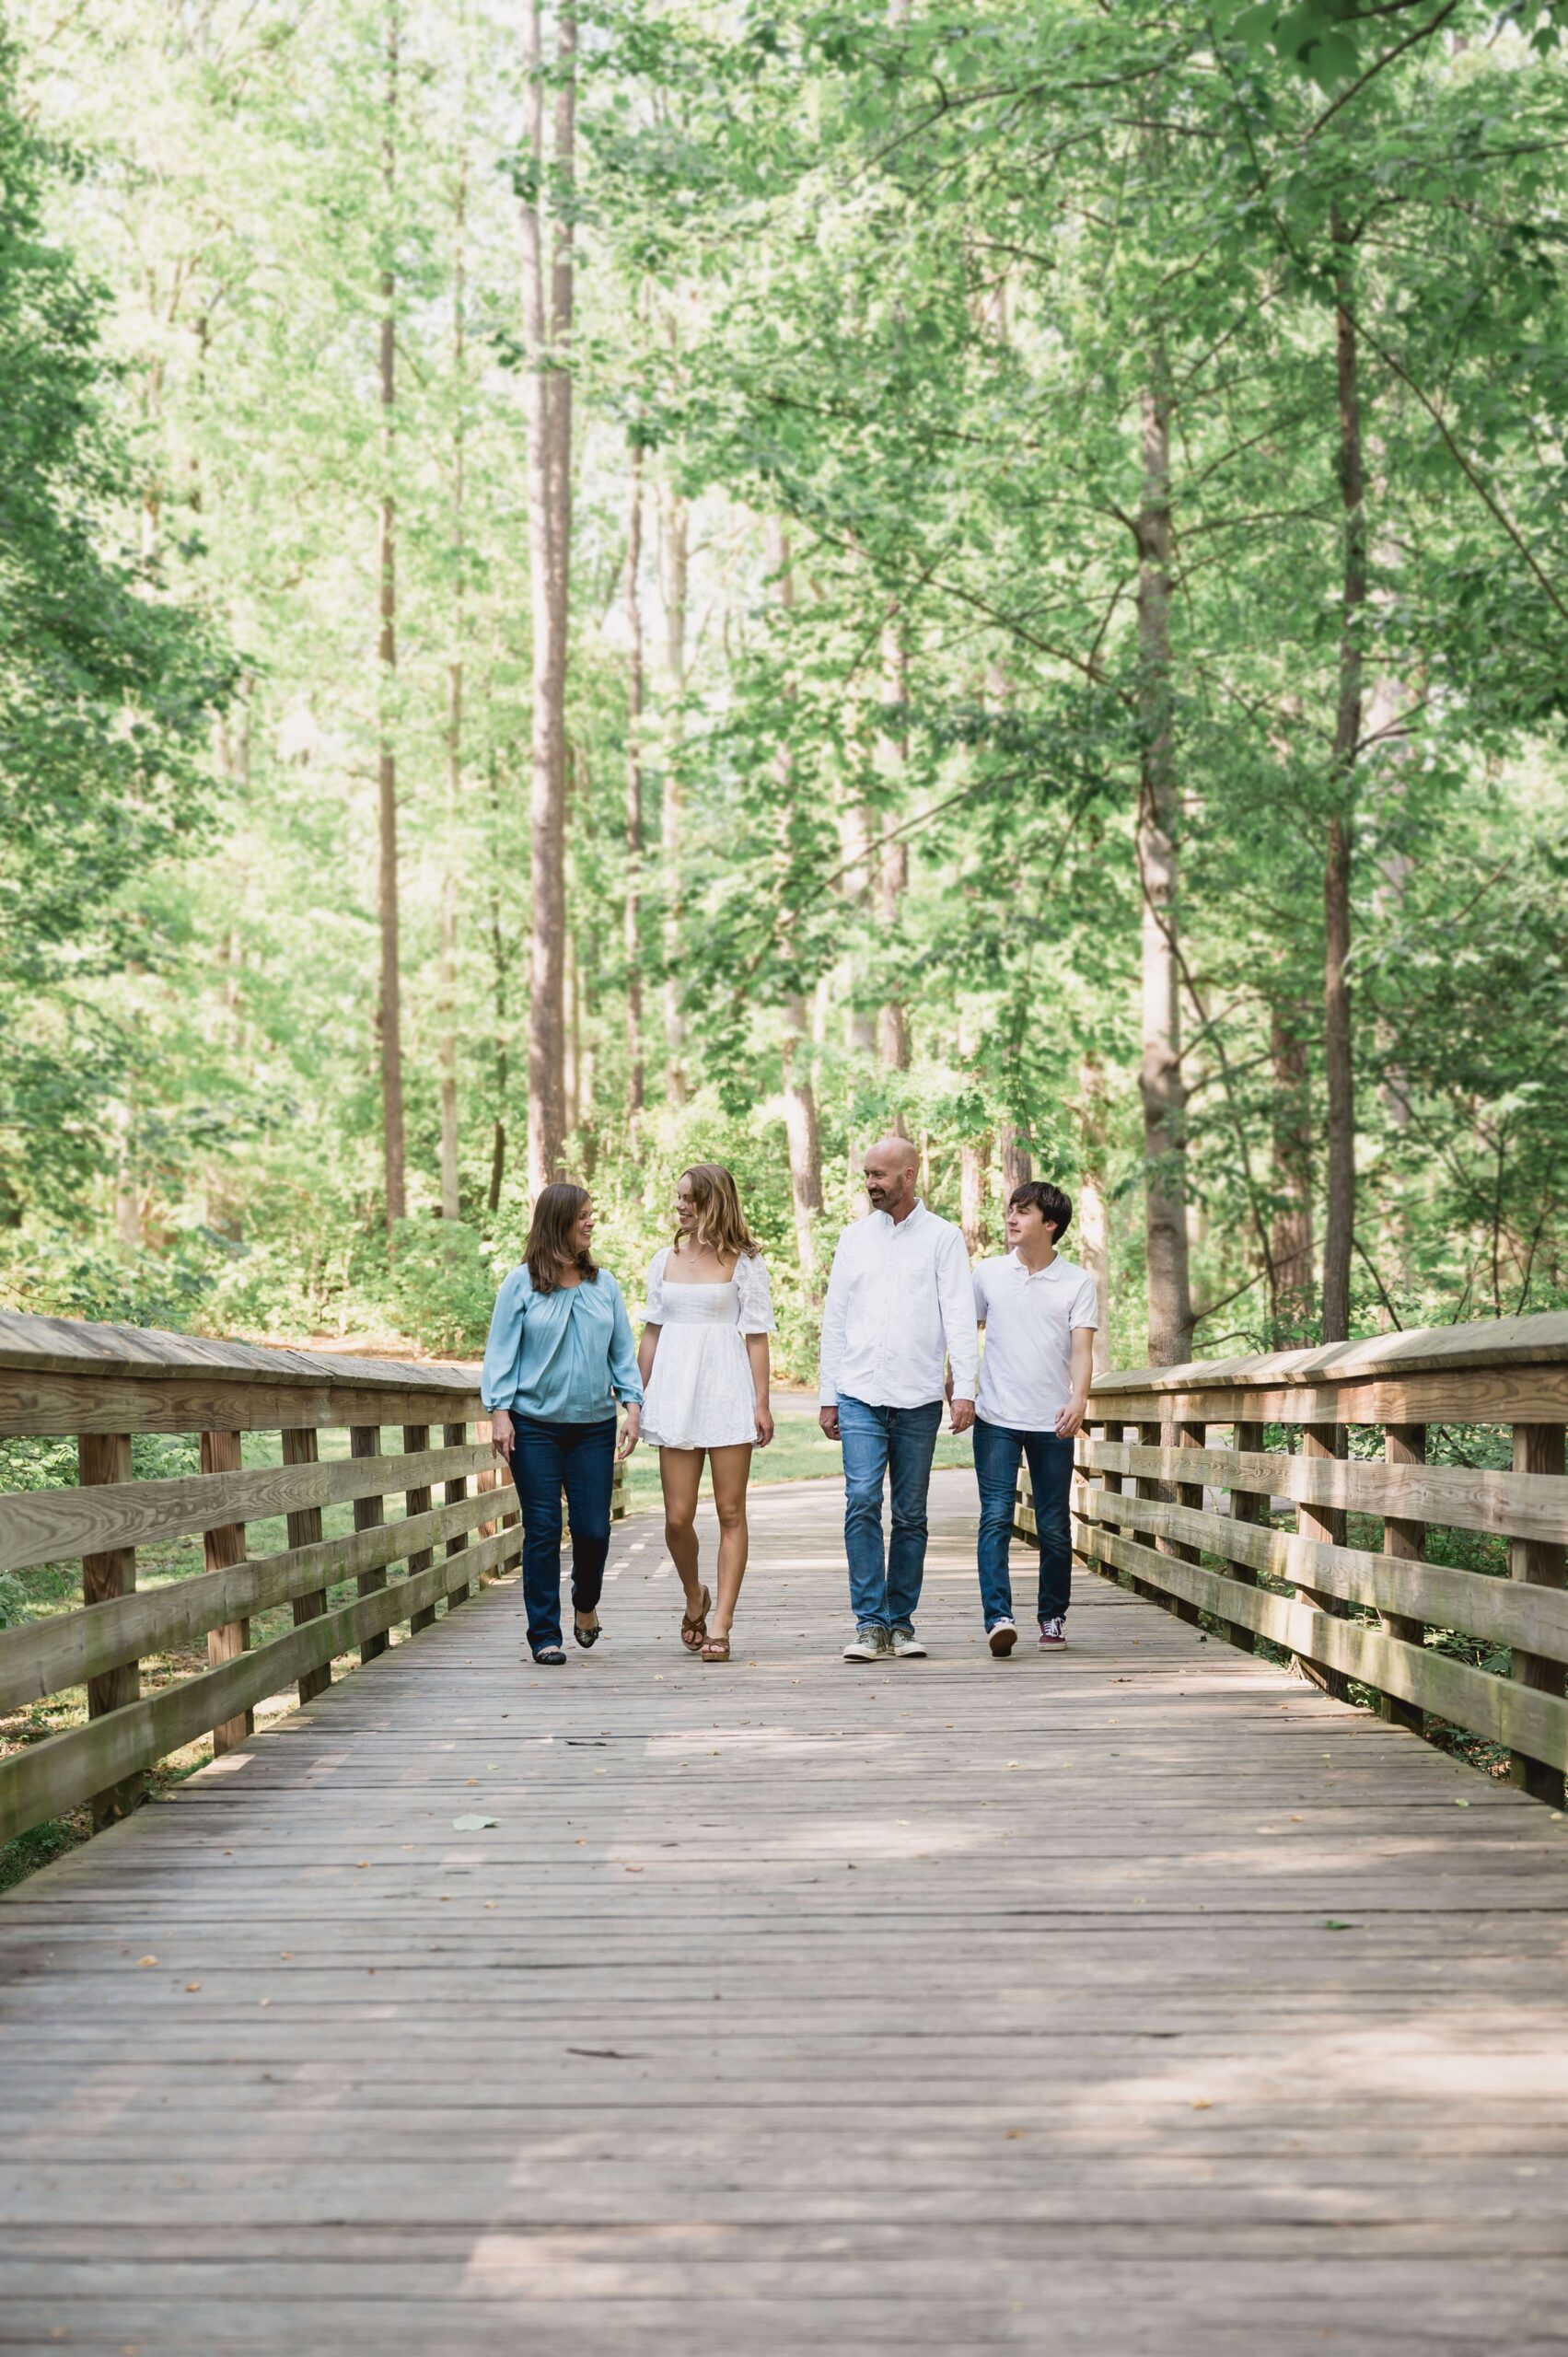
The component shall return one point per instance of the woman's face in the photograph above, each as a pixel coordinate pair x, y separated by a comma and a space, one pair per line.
582, 1231
685, 1204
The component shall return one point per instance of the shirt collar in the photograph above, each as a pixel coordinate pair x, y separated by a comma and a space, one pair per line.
1052, 1268
894, 1226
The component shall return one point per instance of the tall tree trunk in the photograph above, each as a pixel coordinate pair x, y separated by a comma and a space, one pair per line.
1160, 1081
451, 1196
803, 1137
499, 984
674, 550
892, 861
1094, 1225
390, 1006
1018, 1163
633, 934
547, 305
1291, 1239
1339, 1231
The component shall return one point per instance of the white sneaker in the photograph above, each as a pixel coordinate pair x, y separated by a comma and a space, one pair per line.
869, 1642
907, 1645
1002, 1637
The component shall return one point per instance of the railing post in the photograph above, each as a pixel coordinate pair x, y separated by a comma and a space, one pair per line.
1538, 1448
453, 1436
417, 1440
365, 1440
1149, 1485
221, 1547
1326, 1523
1190, 1434
1246, 1505
300, 1447
101, 1457
1404, 1539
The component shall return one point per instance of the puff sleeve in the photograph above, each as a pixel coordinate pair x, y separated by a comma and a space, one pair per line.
755, 1302
650, 1312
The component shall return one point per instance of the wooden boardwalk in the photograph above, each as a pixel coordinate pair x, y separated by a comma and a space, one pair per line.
1135, 1998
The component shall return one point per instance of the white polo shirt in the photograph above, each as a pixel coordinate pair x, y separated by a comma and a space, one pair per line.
1025, 1375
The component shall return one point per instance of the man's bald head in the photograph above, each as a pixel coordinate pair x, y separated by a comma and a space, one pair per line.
890, 1167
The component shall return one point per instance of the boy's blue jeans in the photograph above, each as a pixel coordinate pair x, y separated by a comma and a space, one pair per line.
996, 1454
895, 1444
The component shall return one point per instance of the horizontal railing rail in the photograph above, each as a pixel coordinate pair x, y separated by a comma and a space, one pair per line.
1224, 1491
103, 1387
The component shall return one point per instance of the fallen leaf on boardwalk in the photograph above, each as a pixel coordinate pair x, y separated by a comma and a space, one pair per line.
1201, 2105
1334, 1924
490, 1902
634, 1870
146, 1959
582, 1842
472, 1824
362, 1864
1461, 1804
191, 1987
287, 1955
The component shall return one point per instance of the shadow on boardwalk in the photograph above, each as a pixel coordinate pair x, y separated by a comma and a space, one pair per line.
1136, 1999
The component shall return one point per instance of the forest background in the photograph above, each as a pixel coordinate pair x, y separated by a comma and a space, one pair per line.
584, 589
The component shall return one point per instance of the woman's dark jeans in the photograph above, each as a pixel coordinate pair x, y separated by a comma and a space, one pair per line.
547, 1459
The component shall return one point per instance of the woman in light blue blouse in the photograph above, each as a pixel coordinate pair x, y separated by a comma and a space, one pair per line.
559, 1357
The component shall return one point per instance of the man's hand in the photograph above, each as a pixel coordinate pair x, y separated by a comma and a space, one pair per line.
962, 1413
500, 1433
1069, 1419
631, 1433
828, 1420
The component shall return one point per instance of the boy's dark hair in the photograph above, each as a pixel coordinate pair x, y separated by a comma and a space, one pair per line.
1049, 1200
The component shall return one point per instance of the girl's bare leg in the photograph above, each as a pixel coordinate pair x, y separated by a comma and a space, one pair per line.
731, 1471
681, 1473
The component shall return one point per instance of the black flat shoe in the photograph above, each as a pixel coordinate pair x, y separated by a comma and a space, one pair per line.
585, 1637
551, 1657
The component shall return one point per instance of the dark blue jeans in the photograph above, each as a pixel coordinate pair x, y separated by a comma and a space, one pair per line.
896, 1444
996, 1454
547, 1459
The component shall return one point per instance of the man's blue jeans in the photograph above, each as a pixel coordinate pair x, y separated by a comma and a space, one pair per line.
898, 1443
996, 1454
547, 1459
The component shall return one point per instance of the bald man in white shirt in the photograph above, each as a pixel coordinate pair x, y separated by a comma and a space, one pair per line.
899, 1309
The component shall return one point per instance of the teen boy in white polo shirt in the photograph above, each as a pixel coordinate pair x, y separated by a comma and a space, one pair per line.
1040, 1313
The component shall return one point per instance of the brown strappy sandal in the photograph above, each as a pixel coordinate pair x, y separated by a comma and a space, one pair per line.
716, 1649
694, 1625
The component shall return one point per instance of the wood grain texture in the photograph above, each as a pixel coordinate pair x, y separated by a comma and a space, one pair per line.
1455, 1497
369, 1514
304, 1525
103, 1459
1132, 1998
1538, 1453
67, 1769
44, 1525
1404, 1539
88, 1403
42, 1657
221, 1549
457, 1490
416, 1501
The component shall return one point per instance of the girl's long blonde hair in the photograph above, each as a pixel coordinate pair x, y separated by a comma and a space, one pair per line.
720, 1223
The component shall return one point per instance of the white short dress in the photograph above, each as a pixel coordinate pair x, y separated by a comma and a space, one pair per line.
701, 1394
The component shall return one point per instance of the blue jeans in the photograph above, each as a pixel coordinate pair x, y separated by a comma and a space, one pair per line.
996, 1454
546, 1458
897, 1442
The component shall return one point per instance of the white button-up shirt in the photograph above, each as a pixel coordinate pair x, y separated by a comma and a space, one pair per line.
1026, 1377
900, 1305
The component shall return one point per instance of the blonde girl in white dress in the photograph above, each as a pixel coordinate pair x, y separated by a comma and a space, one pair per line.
704, 1365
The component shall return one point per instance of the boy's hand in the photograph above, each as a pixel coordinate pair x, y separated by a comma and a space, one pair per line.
1069, 1419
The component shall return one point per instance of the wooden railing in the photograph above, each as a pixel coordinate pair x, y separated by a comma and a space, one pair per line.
102, 1386
1359, 1429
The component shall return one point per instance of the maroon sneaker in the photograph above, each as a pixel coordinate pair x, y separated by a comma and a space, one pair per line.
1053, 1633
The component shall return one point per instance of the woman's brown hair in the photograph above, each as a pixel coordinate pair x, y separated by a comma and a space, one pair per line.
555, 1214
720, 1223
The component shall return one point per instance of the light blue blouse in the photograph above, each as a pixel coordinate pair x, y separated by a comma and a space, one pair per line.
564, 1358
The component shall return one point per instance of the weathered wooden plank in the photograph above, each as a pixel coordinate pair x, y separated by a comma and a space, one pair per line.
305, 1531
1488, 1395
104, 1458
1422, 1594
1455, 1497
42, 1657
1404, 1539
76, 1346
455, 1435
1485, 1342
1538, 1451
63, 1770
45, 1525
85, 1404
1469, 1698
369, 1513
221, 1549
417, 1440
1246, 1506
